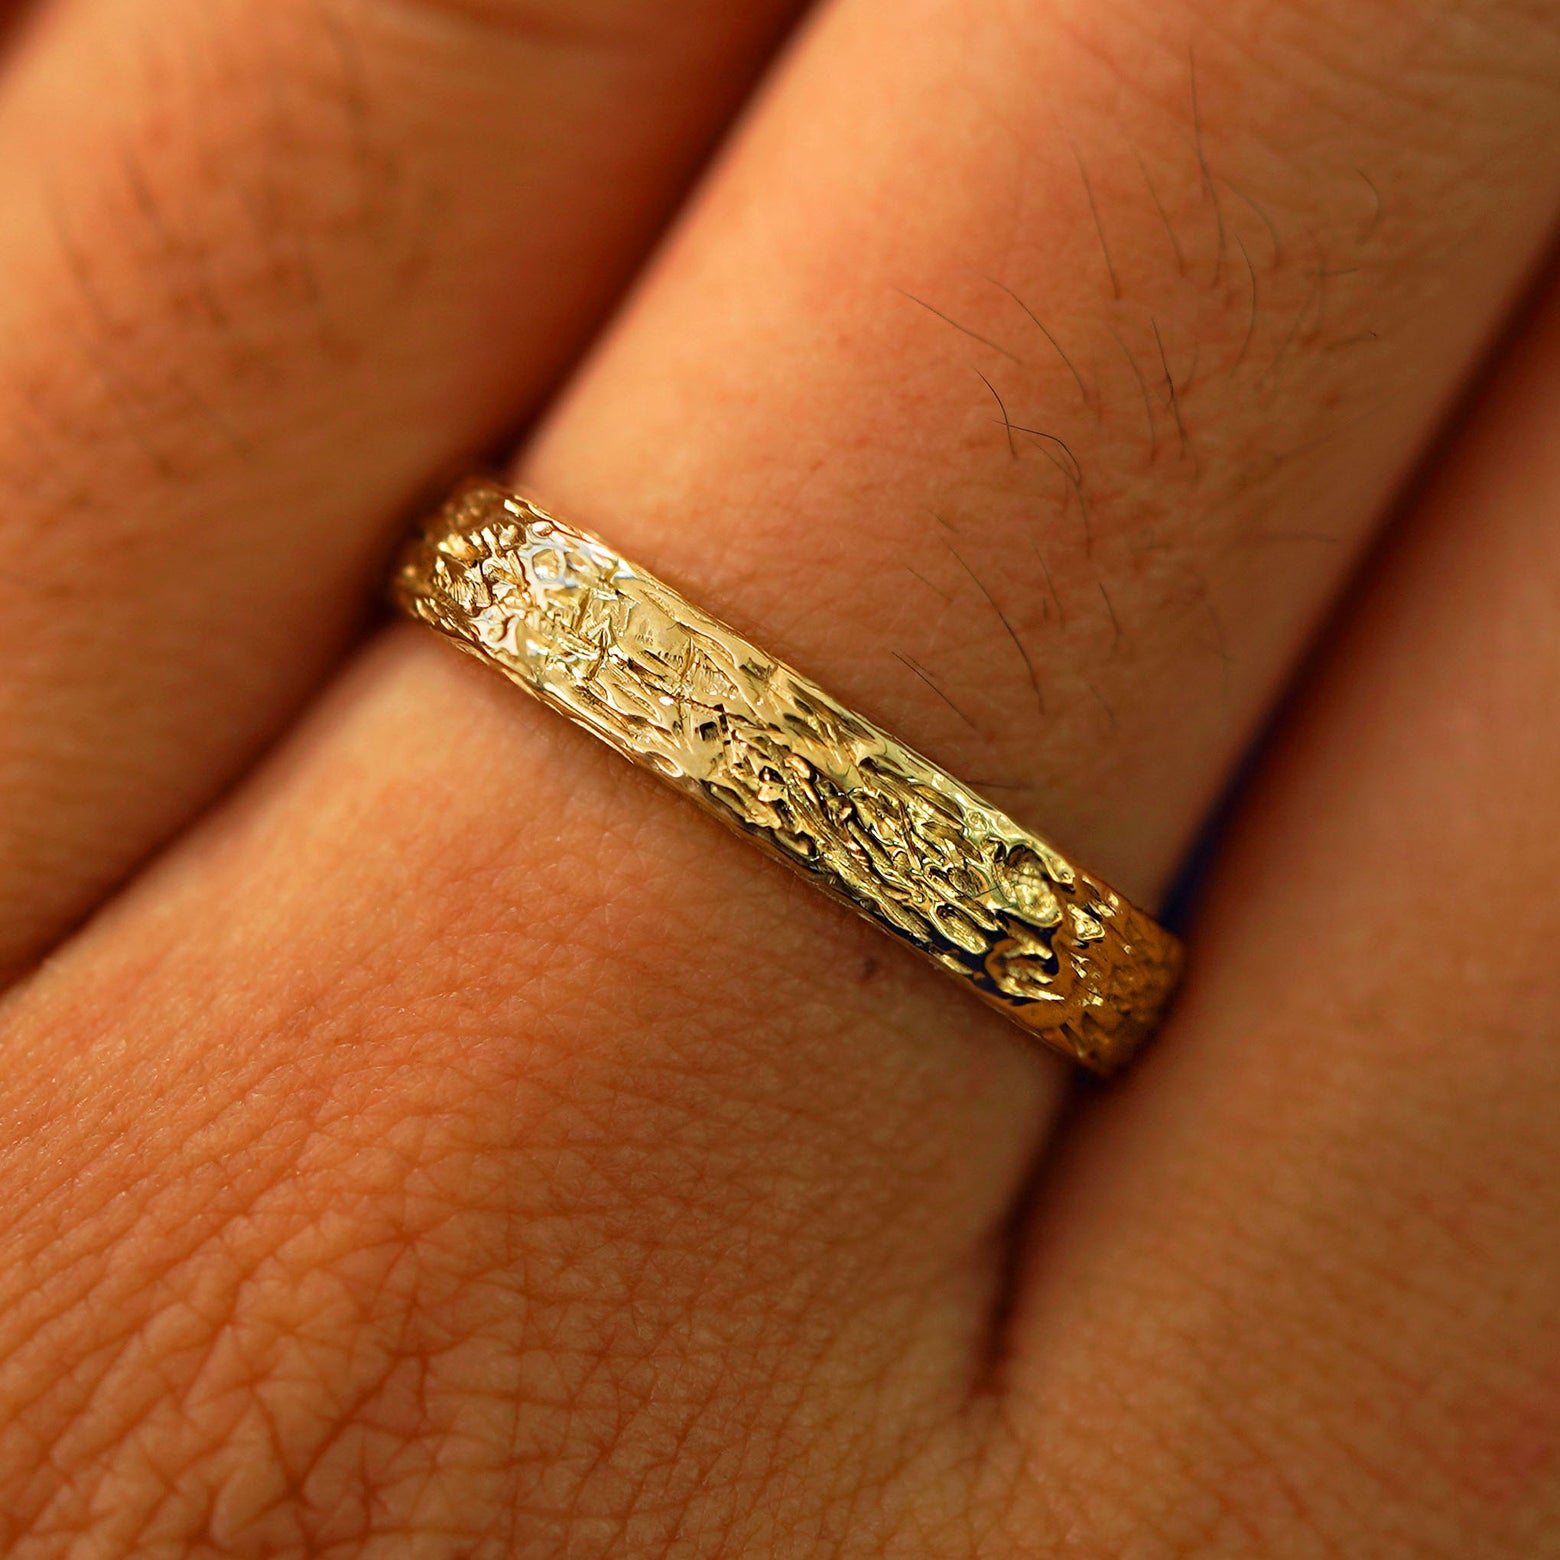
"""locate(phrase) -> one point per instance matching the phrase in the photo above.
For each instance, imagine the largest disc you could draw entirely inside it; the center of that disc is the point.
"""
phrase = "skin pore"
(454, 1145)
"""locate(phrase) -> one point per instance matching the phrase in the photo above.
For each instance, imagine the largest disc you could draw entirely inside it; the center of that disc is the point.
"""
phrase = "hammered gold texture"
(771, 755)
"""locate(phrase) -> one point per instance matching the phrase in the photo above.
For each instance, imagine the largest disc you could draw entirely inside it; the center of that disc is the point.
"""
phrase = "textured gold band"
(773, 756)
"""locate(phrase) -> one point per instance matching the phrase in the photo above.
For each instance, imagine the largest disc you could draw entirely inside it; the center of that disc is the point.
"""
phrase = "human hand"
(448, 1142)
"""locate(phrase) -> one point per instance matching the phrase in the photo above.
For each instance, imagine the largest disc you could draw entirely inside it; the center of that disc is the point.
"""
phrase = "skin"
(286, 265)
(447, 1142)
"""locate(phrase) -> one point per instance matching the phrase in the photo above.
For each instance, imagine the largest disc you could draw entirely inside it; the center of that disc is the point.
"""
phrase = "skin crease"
(458, 1146)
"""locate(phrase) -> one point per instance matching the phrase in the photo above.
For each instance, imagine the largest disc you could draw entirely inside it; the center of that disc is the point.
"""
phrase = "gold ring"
(771, 755)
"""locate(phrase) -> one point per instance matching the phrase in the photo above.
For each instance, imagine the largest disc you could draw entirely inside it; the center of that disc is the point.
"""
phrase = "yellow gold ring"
(770, 754)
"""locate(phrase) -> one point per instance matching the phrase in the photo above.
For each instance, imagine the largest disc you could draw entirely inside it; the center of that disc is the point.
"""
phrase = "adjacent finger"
(266, 269)
(1312, 1246)
(574, 1165)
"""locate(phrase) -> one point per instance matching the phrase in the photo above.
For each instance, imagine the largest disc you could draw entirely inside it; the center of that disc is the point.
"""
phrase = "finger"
(704, 1187)
(1090, 388)
(266, 269)
(1312, 1247)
